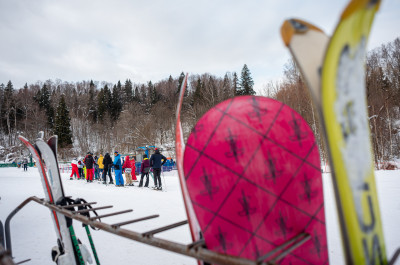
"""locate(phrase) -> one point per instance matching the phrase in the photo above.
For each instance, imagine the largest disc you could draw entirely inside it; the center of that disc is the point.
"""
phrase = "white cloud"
(149, 40)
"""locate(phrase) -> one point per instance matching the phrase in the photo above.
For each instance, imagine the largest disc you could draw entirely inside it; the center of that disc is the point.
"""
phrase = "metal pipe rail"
(196, 250)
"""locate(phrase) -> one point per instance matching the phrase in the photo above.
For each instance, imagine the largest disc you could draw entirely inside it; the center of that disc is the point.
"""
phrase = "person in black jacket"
(89, 163)
(107, 161)
(156, 161)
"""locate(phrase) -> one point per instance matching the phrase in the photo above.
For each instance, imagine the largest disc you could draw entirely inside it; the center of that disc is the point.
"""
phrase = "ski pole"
(92, 244)
(165, 184)
(76, 245)
(80, 201)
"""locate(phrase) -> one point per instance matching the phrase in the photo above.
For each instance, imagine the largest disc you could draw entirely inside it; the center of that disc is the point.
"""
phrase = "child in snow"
(80, 170)
(128, 170)
(144, 169)
(75, 171)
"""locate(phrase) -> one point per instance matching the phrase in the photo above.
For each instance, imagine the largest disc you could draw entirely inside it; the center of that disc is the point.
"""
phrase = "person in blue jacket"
(119, 180)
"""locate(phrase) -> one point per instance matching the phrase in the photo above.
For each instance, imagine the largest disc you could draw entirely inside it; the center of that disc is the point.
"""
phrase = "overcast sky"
(143, 40)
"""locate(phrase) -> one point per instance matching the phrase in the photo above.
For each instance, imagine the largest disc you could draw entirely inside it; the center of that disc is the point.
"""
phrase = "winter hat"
(144, 156)
(116, 152)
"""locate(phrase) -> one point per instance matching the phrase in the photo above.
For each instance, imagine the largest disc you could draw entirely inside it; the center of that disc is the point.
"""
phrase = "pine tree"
(8, 110)
(108, 98)
(92, 105)
(154, 95)
(180, 81)
(136, 97)
(128, 91)
(246, 82)
(170, 80)
(235, 81)
(198, 93)
(226, 87)
(2, 87)
(116, 101)
(62, 124)
(44, 101)
(101, 105)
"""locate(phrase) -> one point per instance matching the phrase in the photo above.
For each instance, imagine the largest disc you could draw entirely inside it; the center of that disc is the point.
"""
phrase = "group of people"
(93, 167)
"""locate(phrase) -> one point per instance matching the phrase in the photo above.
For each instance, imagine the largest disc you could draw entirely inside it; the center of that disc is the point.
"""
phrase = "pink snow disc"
(252, 168)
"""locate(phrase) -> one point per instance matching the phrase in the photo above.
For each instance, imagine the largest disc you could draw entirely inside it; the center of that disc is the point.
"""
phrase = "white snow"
(33, 234)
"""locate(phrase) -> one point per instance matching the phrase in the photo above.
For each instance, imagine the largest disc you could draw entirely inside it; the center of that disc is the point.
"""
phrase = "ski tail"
(52, 143)
(69, 249)
(307, 43)
(346, 121)
(180, 148)
(45, 182)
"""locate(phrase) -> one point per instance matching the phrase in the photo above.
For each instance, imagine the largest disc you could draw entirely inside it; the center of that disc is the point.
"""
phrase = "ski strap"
(84, 207)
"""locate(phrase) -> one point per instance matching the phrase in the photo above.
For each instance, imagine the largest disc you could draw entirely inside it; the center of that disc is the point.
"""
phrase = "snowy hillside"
(33, 235)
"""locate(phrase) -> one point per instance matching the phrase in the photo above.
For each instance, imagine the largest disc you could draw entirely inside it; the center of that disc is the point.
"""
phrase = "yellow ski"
(345, 116)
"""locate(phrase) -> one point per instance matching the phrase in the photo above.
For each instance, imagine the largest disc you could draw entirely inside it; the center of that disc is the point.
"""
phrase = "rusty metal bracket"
(284, 248)
(135, 220)
(92, 209)
(164, 228)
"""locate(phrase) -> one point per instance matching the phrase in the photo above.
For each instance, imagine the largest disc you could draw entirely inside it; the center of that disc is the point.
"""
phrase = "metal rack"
(196, 250)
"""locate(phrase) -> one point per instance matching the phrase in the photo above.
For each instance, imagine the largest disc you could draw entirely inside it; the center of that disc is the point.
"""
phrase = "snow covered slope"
(33, 236)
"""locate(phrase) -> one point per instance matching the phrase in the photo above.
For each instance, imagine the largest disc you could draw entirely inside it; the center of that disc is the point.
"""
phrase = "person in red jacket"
(128, 170)
(74, 164)
(145, 169)
(133, 166)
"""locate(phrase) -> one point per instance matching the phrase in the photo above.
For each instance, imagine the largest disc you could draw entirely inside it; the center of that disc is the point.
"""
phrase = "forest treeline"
(100, 116)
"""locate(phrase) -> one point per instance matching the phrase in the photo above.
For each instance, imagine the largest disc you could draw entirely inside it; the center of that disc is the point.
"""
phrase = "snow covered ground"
(33, 234)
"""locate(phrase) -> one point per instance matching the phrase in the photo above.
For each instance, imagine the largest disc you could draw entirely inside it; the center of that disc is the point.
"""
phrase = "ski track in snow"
(33, 234)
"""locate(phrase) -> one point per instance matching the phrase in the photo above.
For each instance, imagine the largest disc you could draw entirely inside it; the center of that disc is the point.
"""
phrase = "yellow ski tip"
(357, 5)
(294, 26)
